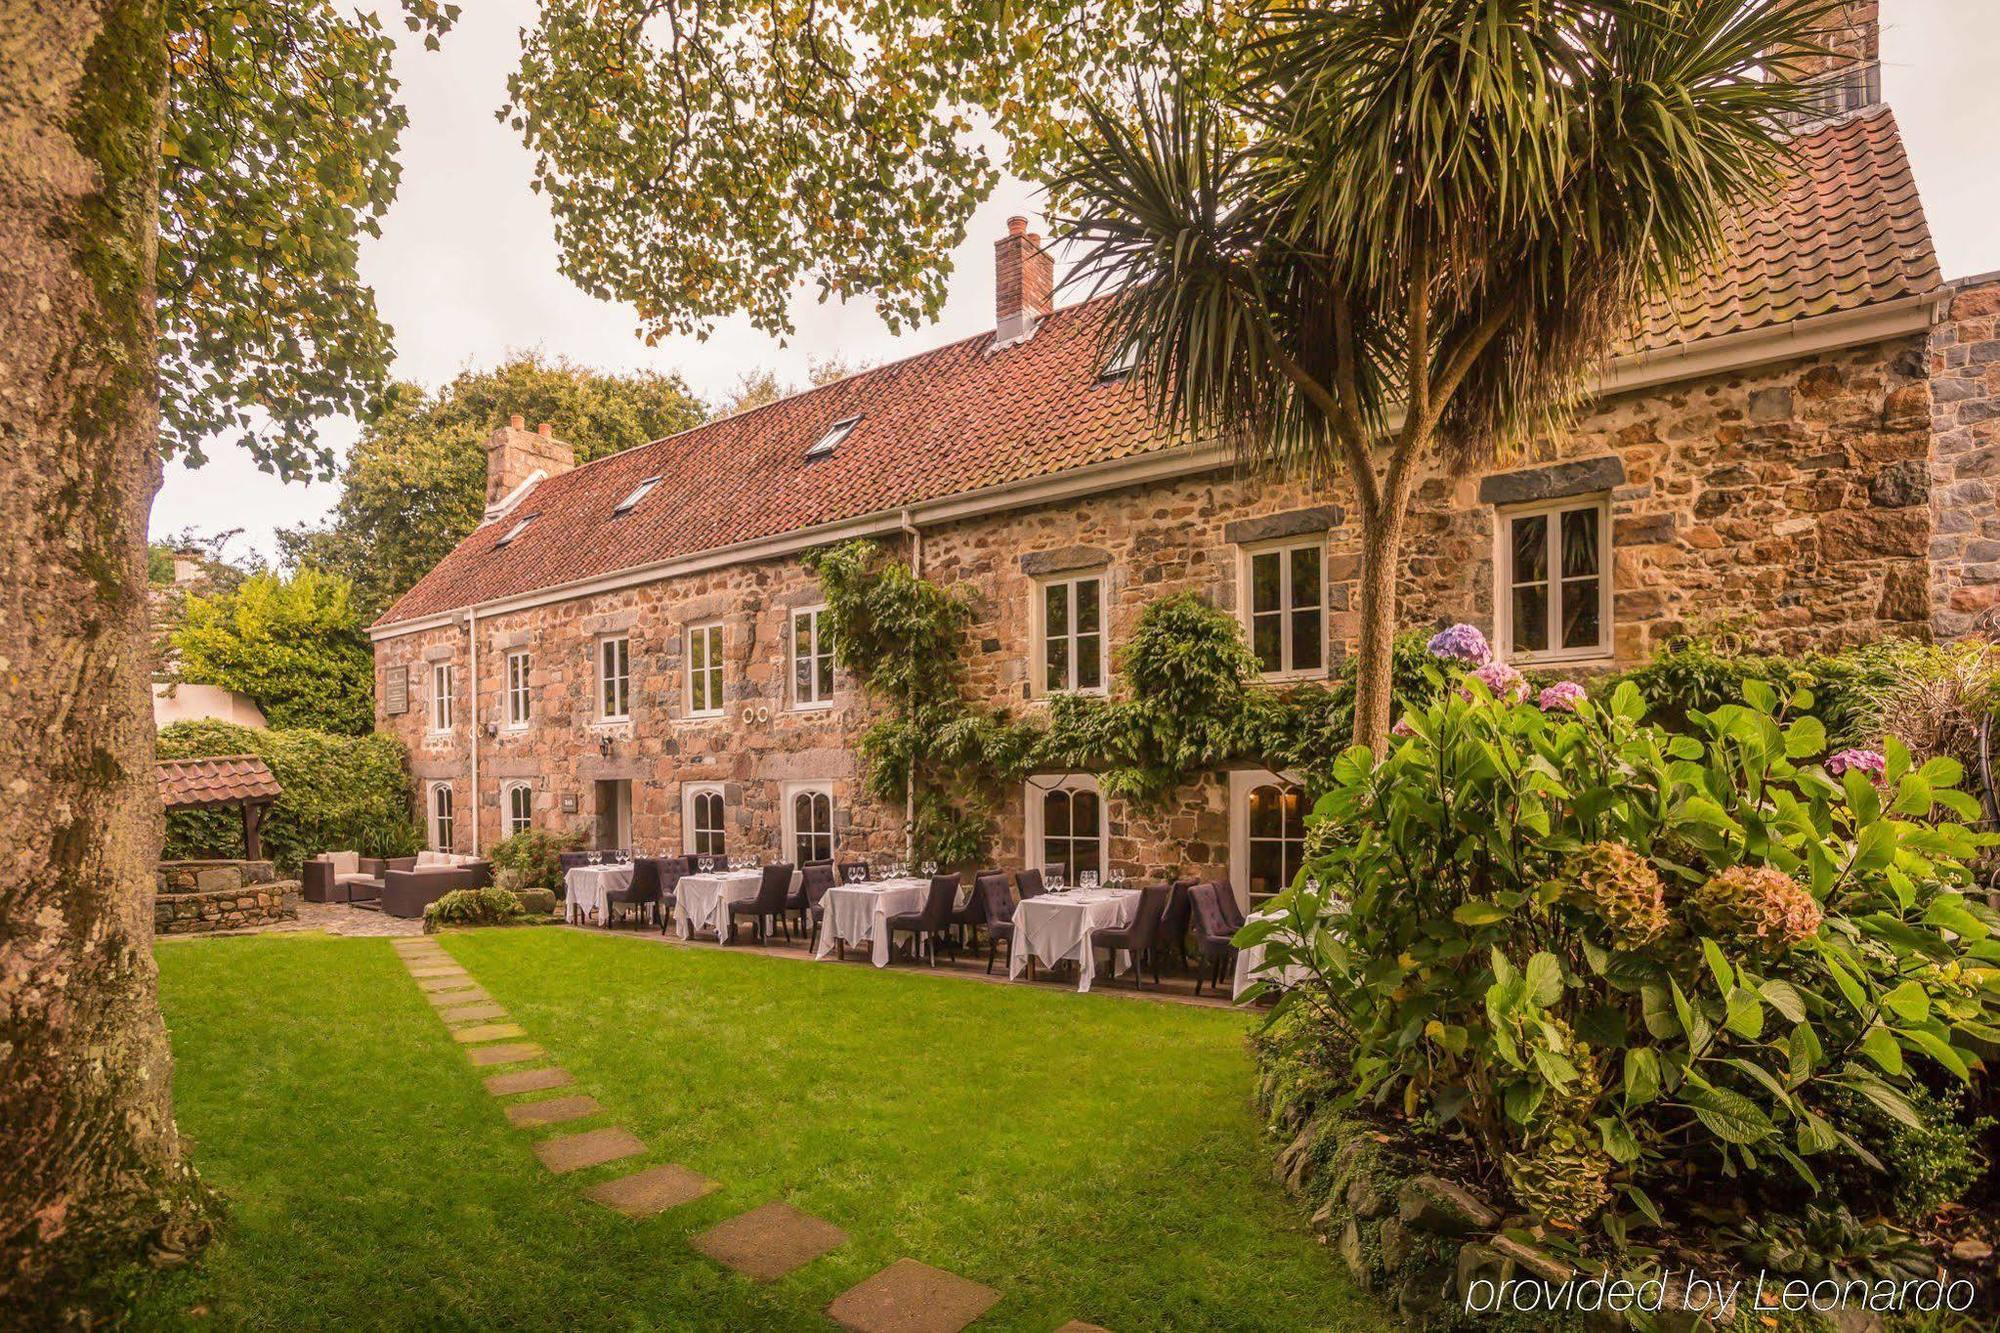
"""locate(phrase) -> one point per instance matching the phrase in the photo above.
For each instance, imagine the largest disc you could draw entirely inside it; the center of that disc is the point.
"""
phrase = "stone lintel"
(1063, 559)
(1294, 523)
(1555, 482)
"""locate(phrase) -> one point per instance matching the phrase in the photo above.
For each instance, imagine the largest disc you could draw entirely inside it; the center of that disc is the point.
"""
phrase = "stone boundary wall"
(1965, 459)
(200, 897)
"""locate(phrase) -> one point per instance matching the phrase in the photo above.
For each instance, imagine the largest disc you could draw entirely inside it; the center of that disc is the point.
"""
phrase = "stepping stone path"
(909, 1297)
(763, 1244)
(595, 1147)
(552, 1111)
(653, 1190)
(767, 1243)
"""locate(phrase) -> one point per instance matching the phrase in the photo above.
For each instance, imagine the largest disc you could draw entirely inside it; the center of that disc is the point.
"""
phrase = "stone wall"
(1965, 460)
(1793, 500)
(199, 897)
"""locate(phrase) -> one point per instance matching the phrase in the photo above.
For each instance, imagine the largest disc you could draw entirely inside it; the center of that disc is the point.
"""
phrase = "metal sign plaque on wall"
(396, 691)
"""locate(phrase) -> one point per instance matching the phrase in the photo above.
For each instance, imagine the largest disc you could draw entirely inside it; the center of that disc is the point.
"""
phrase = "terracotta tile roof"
(220, 780)
(964, 417)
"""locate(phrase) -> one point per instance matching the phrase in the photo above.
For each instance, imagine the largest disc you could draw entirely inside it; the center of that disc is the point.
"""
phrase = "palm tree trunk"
(92, 1175)
(1374, 691)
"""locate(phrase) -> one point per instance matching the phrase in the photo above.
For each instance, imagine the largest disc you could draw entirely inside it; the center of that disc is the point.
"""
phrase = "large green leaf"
(1730, 1116)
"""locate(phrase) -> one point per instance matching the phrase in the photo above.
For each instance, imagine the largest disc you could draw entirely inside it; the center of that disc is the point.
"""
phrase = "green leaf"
(1745, 1016)
(1559, 1072)
(1718, 966)
(1908, 1002)
(1806, 1053)
(1785, 998)
(1804, 738)
(1479, 912)
(1544, 978)
(1892, 1103)
(1939, 1050)
(1881, 1047)
(1642, 1076)
(1730, 1116)
(1619, 1143)
(1627, 703)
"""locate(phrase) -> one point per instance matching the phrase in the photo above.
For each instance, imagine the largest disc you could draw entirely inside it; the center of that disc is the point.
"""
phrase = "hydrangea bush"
(1622, 964)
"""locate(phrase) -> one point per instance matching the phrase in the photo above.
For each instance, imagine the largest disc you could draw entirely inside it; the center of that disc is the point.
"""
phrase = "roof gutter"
(1734, 351)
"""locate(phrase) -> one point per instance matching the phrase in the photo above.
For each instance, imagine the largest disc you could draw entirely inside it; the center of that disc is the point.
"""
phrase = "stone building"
(1804, 443)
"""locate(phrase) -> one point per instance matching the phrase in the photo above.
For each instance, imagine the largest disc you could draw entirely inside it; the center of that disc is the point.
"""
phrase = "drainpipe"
(916, 537)
(472, 635)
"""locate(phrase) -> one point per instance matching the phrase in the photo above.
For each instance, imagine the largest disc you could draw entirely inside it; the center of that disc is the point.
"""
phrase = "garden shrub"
(341, 793)
(1625, 965)
(530, 859)
(473, 907)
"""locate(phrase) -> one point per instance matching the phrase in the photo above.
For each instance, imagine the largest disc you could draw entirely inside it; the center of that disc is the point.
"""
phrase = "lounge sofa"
(347, 877)
(407, 892)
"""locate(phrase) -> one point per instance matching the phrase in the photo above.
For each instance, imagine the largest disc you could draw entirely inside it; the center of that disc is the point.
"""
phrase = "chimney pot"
(1017, 225)
(544, 430)
(1023, 283)
(516, 421)
(513, 455)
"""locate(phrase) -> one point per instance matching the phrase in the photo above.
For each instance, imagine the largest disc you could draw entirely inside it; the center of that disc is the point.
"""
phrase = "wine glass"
(1087, 880)
(929, 868)
(1056, 880)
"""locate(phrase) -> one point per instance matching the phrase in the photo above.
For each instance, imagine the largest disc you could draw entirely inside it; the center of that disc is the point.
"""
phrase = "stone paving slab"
(467, 1013)
(552, 1111)
(653, 1190)
(594, 1147)
(506, 1054)
(427, 970)
(909, 1297)
(768, 1242)
(407, 949)
(488, 1032)
(446, 981)
(528, 1080)
(444, 999)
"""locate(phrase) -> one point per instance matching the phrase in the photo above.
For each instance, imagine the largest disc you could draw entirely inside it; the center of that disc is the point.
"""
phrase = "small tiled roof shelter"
(221, 780)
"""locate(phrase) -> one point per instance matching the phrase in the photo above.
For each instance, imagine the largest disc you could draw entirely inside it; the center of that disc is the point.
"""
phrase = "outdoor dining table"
(585, 888)
(859, 913)
(1250, 965)
(1056, 927)
(703, 900)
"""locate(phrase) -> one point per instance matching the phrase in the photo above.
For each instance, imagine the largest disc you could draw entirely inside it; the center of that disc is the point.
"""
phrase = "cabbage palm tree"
(1404, 233)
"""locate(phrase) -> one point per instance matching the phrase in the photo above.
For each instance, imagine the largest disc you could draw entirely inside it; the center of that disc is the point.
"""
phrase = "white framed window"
(517, 805)
(812, 658)
(1267, 831)
(520, 701)
(441, 695)
(632, 499)
(1552, 563)
(704, 657)
(702, 812)
(835, 435)
(1284, 606)
(1071, 649)
(614, 679)
(442, 804)
(1068, 824)
(809, 821)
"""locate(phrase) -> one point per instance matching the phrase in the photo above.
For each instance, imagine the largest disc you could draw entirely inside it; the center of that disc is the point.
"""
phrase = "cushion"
(429, 860)
(344, 863)
(356, 878)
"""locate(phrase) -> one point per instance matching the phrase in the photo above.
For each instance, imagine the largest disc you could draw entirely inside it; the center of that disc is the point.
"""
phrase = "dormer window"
(516, 530)
(639, 492)
(1121, 364)
(830, 441)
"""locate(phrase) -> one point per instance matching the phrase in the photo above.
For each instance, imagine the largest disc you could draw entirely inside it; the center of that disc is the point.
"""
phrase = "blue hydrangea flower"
(1461, 643)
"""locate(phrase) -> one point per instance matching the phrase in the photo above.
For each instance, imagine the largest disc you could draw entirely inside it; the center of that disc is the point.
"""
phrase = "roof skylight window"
(516, 530)
(639, 492)
(830, 441)
(1122, 363)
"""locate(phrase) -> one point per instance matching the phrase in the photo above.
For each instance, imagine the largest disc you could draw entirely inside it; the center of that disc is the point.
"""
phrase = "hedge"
(342, 793)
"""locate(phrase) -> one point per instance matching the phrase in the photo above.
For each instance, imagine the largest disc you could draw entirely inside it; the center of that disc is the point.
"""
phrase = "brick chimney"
(1848, 75)
(1024, 280)
(514, 454)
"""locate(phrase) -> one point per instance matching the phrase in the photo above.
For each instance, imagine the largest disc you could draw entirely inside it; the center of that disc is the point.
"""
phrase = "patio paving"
(466, 1013)
(654, 1190)
(487, 1032)
(909, 1297)
(445, 999)
(456, 980)
(507, 1054)
(768, 1242)
(425, 970)
(528, 1080)
(573, 1152)
(552, 1111)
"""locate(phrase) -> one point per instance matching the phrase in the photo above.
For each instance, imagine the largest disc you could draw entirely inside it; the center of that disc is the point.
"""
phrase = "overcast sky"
(466, 273)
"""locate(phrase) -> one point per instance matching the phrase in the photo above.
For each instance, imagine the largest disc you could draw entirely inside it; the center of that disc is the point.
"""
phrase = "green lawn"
(1090, 1157)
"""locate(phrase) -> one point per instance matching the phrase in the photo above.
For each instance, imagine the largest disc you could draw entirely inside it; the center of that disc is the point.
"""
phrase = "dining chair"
(1139, 936)
(769, 904)
(643, 892)
(999, 905)
(927, 925)
(1212, 934)
(1172, 935)
(968, 919)
(671, 870)
(1031, 884)
(817, 879)
(1232, 911)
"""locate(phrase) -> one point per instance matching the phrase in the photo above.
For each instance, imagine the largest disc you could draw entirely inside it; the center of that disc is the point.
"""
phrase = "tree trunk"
(1374, 688)
(92, 1174)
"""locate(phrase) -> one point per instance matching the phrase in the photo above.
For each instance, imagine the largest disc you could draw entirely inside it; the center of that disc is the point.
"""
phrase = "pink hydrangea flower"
(1870, 762)
(1403, 727)
(1561, 697)
(1502, 682)
(1461, 643)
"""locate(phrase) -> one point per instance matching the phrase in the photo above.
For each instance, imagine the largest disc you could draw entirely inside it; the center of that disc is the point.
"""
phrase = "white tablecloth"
(1056, 927)
(1250, 964)
(585, 887)
(858, 913)
(701, 902)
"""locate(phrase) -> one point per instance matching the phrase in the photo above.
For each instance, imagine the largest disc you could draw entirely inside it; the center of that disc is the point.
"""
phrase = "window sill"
(1541, 661)
(823, 706)
(1046, 696)
(1293, 677)
(708, 715)
(611, 724)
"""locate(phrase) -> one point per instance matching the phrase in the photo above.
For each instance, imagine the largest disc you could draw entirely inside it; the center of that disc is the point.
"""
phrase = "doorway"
(614, 813)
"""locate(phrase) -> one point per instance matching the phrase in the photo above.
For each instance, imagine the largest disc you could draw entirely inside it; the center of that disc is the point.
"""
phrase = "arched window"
(1072, 830)
(520, 808)
(1277, 823)
(704, 815)
(812, 826)
(441, 817)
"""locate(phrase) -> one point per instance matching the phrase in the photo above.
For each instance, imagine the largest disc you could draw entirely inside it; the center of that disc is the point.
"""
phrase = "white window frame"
(821, 651)
(714, 654)
(1503, 579)
(690, 792)
(520, 690)
(1038, 638)
(791, 791)
(618, 708)
(1242, 782)
(510, 822)
(442, 824)
(1036, 789)
(443, 688)
(1283, 548)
